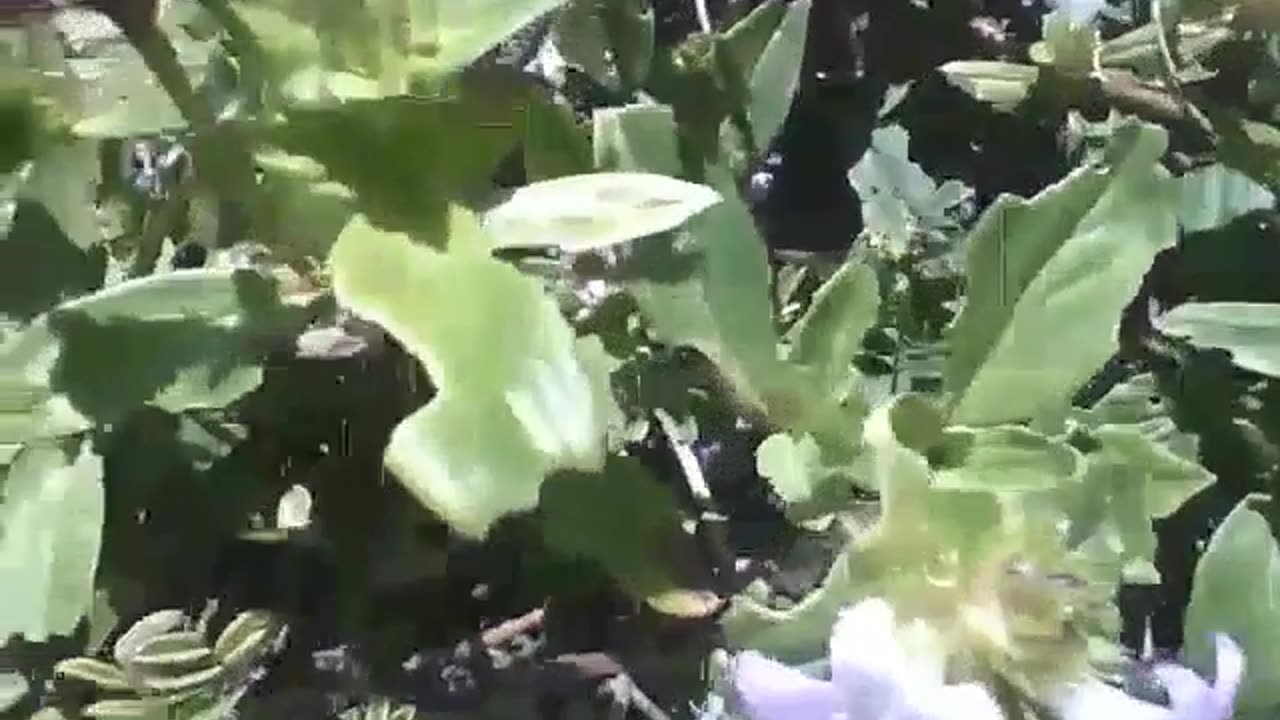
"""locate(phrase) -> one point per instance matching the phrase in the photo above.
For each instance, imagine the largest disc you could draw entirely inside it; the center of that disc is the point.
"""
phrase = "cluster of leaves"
(204, 193)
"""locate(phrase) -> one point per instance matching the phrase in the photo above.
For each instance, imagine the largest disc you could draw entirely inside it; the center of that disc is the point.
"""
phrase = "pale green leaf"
(1003, 459)
(1003, 84)
(448, 35)
(1049, 277)
(636, 138)
(1249, 331)
(50, 533)
(595, 210)
(776, 75)
(1212, 196)
(1236, 590)
(13, 687)
(829, 334)
(513, 402)
(791, 466)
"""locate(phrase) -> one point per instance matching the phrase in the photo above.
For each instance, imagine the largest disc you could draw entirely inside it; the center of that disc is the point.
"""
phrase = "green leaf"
(453, 34)
(776, 75)
(179, 340)
(513, 401)
(1213, 196)
(1068, 46)
(1055, 272)
(829, 334)
(50, 533)
(581, 39)
(898, 196)
(596, 210)
(244, 637)
(406, 157)
(554, 145)
(105, 675)
(791, 466)
(625, 520)
(1236, 590)
(630, 26)
(636, 138)
(1002, 84)
(1003, 459)
(1249, 331)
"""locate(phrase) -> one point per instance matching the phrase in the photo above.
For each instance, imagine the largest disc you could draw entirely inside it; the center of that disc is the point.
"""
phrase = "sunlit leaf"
(830, 333)
(585, 212)
(1213, 196)
(513, 401)
(1002, 84)
(105, 675)
(1055, 272)
(450, 35)
(50, 533)
(791, 466)
(1236, 590)
(1003, 459)
(1249, 331)
(13, 687)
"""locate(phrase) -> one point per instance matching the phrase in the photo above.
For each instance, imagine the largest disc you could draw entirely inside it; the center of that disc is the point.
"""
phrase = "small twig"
(509, 630)
(688, 461)
(704, 17)
(627, 694)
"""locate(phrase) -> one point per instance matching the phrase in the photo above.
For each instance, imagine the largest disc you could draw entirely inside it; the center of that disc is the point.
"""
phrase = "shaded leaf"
(105, 675)
(829, 334)
(50, 534)
(625, 520)
(775, 76)
(451, 35)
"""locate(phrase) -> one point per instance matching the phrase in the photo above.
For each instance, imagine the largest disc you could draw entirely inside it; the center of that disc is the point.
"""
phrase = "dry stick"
(626, 694)
(508, 630)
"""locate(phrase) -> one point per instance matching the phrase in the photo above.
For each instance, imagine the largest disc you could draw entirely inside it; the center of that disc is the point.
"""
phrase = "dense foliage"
(553, 358)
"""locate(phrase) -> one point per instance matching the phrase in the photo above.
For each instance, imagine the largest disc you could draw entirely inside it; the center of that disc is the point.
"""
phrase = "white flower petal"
(868, 666)
(770, 690)
(1095, 700)
(966, 701)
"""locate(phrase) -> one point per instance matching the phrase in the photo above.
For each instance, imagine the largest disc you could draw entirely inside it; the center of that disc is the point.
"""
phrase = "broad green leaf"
(450, 35)
(299, 211)
(1236, 590)
(1170, 479)
(791, 466)
(64, 179)
(40, 265)
(1003, 459)
(1139, 49)
(1249, 331)
(554, 145)
(1068, 46)
(148, 626)
(50, 533)
(179, 340)
(406, 157)
(1055, 272)
(636, 138)
(829, 334)
(776, 75)
(628, 522)
(599, 366)
(581, 40)
(630, 26)
(513, 401)
(595, 210)
(1002, 84)
(1213, 196)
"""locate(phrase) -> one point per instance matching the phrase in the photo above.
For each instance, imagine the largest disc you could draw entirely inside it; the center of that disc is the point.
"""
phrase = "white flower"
(1191, 698)
(878, 672)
